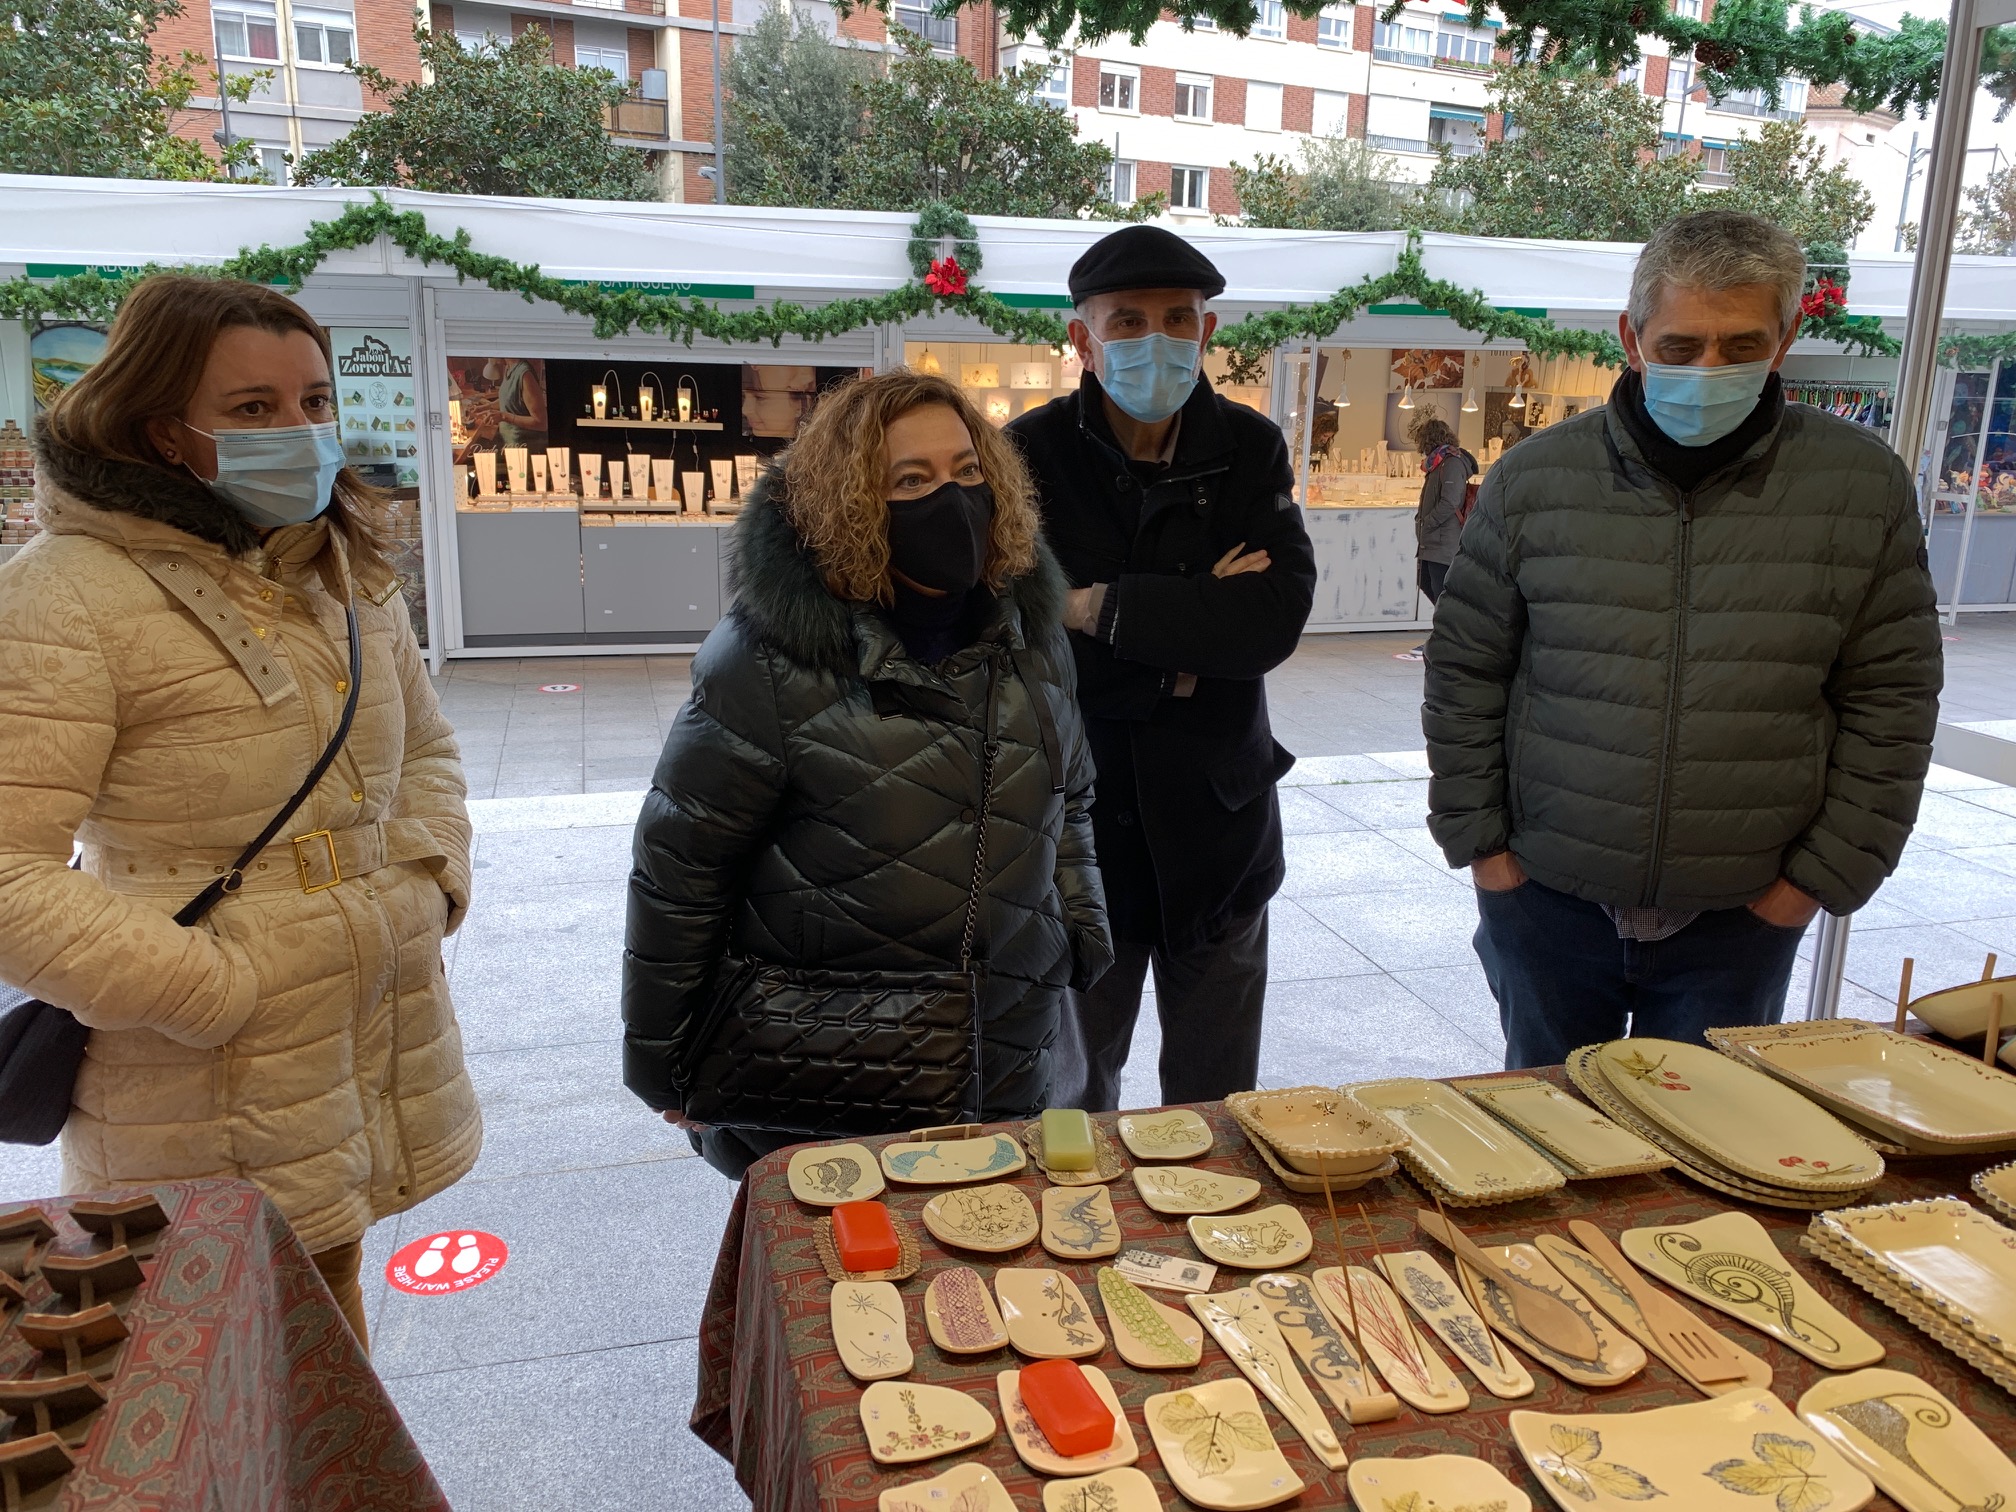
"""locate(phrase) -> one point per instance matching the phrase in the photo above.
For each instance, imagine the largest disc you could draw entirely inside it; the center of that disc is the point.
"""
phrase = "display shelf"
(669, 425)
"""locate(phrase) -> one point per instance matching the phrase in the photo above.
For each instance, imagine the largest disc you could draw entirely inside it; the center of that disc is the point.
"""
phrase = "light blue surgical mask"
(1149, 377)
(280, 476)
(1699, 405)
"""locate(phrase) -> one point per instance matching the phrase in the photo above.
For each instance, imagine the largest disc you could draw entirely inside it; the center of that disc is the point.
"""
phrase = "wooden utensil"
(1903, 993)
(1547, 1318)
(1699, 1351)
(1994, 1035)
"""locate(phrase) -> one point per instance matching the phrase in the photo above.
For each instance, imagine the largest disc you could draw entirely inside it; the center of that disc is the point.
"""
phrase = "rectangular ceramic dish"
(1456, 1147)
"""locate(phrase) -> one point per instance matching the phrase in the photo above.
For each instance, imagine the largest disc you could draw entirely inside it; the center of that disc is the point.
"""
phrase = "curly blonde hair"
(836, 483)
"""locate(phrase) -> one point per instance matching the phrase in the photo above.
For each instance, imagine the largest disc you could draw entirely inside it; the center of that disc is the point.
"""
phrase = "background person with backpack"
(1446, 492)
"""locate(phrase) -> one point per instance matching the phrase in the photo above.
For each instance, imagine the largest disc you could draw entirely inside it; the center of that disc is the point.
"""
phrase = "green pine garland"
(1970, 353)
(934, 223)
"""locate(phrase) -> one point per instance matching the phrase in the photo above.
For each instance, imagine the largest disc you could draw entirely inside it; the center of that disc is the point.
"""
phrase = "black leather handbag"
(798, 1050)
(41, 1045)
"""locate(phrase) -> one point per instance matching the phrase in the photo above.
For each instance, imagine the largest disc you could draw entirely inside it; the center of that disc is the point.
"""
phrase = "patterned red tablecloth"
(241, 1387)
(775, 1401)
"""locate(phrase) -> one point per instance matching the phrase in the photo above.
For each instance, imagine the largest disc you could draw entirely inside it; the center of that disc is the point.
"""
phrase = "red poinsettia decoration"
(1826, 295)
(946, 276)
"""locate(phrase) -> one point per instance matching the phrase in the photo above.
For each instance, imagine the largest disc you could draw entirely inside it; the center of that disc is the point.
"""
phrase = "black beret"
(1143, 257)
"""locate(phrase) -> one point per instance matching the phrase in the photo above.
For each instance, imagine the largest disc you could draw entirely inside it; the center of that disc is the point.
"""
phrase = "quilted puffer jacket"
(165, 684)
(815, 806)
(1669, 700)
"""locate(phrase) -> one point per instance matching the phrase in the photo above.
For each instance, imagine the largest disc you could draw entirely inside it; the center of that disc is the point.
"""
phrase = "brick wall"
(696, 113)
(1220, 194)
(1150, 178)
(385, 38)
(1302, 29)
(643, 47)
(1361, 30)
(1228, 101)
(441, 17)
(1085, 81)
(1298, 108)
(1158, 91)
(1494, 126)
(865, 23)
(1657, 71)
(1360, 107)
(191, 32)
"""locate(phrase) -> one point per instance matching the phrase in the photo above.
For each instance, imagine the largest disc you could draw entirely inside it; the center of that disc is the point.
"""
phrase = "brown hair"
(153, 361)
(1430, 433)
(836, 483)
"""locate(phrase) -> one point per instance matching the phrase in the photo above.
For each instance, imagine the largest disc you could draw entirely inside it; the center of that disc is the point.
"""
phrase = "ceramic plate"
(1962, 1012)
(1217, 1449)
(1035, 1449)
(1079, 1223)
(1148, 1335)
(1314, 1186)
(1106, 1162)
(1110, 1491)
(952, 1162)
(1736, 1453)
(824, 1175)
(1317, 1130)
(1566, 1127)
(992, 1219)
(1457, 1145)
(1741, 1117)
(1332, 1359)
(1946, 1254)
(1992, 1363)
(1240, 1322)
(908, 1421)
(1170, 1134)
(1046, 1315)
(961, 1315)
(963, 1488)
(1262, 1240)
(1997, 1188)
(1374, 1314)
(1418, 1279)
(1730, 1262)
(1433, 1483)
(1922, 1090)
(1917, 1446)
(1185, 1189)
(869, 1329)
(1618, 1357)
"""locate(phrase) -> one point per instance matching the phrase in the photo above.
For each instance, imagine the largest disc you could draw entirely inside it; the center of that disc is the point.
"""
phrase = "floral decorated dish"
(907, 1421)
(1268, 1239)
(1183, 1190)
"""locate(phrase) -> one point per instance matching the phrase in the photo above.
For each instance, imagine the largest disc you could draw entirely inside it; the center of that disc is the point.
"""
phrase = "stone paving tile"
(1360, 863)
(518, 859)
(1402, 930)
(1947, 889)
(1360, 1029)
(1399, 804)
(1302, 813)
(564, 1108)
(1300, 947)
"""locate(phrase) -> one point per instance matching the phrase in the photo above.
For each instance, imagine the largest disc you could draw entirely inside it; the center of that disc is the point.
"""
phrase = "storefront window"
(1973, 527)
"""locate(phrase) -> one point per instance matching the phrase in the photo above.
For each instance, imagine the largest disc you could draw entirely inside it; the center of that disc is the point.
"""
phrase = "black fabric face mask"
(940, 540)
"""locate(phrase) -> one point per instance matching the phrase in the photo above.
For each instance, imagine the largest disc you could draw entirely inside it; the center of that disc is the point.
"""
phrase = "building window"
(611, 60)
(1333, 26)
(324, 38)
(1463, 47)
(1188, 188)
(1118, 90)
(1270, 21)
(1054, 88)
(1203, 23)
(940, 31)
(1193, 97)
(1462, 138)
(1632, 73)
(270, 167)
(248, 34)
(1263, 106)
(479, 42)
(1672, 146)
(1679, 78)
(1393, 43)
(1330, 114)
(1120, 183)
(1715, 162)
(1690, 9)
(1754, 102)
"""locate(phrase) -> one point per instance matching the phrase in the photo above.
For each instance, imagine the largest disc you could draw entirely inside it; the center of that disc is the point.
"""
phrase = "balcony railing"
(635, 116)
(628, 7)
(1398, 144)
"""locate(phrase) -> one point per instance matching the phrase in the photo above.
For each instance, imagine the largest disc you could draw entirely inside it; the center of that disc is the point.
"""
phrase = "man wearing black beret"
(1172, 511)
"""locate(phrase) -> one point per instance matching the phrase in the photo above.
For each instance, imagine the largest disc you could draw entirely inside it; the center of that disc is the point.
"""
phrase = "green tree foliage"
(794, 108)
(82, 92)
(1988, 218)
(1341, 184)
(503, 119)
(1579, 163)
(1784, 177)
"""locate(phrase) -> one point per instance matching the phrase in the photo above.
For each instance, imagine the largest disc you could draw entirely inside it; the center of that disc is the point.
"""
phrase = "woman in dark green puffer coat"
(816, 803)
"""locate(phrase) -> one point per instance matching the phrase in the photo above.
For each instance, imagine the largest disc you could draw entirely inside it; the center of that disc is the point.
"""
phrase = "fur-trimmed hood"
(176, 500)
(782, 597)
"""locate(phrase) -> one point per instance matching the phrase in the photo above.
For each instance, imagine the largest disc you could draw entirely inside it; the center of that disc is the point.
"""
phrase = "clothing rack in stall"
(1864, 403)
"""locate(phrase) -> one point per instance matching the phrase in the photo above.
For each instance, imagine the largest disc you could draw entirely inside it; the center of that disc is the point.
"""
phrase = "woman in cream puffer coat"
(167, 679)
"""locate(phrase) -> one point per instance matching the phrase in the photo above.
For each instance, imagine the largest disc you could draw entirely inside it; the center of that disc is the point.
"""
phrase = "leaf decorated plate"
(907, 1420)
(1433, 1483)
(1217, 1449)
(1618, 1355)
(1027, 1436)
(960, 1313)
(953, 1162)
(1079, 1223)
(1265, 1240)
(1924, 1452)
(1186, 1189)
(1123, 1490)
(1167, 1134)
(1744, 1452)
(1046, 1315)
(991, 1219)
(870, 1330)
(827, 1175)
(963, 1488)
(1149, 1335)
(1418, 1278)
(1240, 1322)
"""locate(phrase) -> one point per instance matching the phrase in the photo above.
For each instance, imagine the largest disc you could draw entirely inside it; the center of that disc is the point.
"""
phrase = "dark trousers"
(1431, 576)
(1563, 979)
(1210, 1000)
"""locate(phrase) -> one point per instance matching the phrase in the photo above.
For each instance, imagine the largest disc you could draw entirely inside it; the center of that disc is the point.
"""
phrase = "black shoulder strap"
(207, 899)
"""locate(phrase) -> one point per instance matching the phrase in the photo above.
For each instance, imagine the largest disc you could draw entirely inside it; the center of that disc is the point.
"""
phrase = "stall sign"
(377, 403)
(442, 1264)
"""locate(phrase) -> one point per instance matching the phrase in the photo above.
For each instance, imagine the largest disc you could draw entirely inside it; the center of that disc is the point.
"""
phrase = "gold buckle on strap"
(301, 860)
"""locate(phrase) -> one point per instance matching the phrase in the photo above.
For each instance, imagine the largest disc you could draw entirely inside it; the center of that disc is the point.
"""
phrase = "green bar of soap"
(1067, 1139)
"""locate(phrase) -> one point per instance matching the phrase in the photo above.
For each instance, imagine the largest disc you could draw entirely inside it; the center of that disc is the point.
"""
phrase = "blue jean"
(1563, 979)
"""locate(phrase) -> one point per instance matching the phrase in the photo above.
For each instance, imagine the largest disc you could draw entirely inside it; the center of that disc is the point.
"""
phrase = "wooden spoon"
(1545, 1317)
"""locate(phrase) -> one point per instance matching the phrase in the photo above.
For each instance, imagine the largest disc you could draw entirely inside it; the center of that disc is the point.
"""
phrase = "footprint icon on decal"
(467, 1255)
(433, 1259)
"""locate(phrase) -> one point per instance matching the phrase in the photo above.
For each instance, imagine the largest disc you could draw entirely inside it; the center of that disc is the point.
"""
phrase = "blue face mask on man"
(1696, 406)
(1149, 377)
(280, 476)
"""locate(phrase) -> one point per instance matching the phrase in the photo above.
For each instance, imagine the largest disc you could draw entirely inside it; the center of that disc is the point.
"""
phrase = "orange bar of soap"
(1066, 1408)
(865, 1237)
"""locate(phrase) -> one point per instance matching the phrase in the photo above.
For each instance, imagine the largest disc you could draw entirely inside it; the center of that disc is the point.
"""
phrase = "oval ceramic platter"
(1433, 1483)
(1331, 1358)
(1756, 1126)
(1418, 1278)
(1264, 1240)
(1240, 1322)
(1168, 1134)
(1217, 1449)
(963, 1488)
(870, 1330)
(1123, 1490)
(907, 1421)
(1962, 1012)
(1079, 1223)
(1177, 1190)
(1737, 1453)
(1918, 1447)
(953, 1162)
(1729, 1262)
(1370, 1313)
(1318, 1131)
(1618, 1357)
(991, 1219)
(960, 1313)
(1046, 1315)
(1027, 1437)
(1149, 1335)
(826, 1175)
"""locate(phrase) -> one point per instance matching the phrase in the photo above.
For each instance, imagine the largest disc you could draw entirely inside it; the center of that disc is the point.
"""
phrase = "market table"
(776, 1402)
(241, 1386)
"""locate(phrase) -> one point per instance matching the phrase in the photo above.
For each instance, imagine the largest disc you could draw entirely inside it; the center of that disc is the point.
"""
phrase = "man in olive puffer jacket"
(1685, 671)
